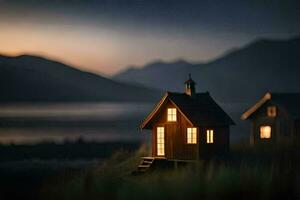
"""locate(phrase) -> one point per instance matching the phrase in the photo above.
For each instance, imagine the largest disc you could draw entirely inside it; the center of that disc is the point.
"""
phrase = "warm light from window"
(172, 115)
(265, 132)
(209, 136)
(192, 135)
(160, 141)
(271, 111)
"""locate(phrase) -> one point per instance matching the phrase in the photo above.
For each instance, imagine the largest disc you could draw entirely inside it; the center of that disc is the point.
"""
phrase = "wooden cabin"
(275, 118)
(187, 126)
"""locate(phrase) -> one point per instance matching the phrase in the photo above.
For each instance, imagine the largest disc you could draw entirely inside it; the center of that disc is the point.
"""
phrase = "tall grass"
(246, 173)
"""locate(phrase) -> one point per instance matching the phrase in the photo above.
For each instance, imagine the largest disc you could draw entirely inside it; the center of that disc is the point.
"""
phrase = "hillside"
(36, 79)
(158, 74)
(241, 75)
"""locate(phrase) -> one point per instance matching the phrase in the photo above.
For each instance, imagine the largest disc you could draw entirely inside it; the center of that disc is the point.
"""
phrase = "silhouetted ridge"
(240, 75)
(28, 78)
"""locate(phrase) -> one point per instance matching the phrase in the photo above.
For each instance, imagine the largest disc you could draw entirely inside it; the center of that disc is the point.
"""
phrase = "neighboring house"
(276, 117)
(187, 126)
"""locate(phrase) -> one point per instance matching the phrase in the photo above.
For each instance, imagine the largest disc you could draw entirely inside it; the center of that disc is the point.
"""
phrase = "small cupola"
(190, 86)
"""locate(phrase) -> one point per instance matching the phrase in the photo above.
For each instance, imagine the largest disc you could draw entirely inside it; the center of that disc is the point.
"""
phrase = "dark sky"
(106, 35)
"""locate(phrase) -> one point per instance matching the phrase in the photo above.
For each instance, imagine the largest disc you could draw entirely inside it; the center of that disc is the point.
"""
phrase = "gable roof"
(199, 109)
(289, 101)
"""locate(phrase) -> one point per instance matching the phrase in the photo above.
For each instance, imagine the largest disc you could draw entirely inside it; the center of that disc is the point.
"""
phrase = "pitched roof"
(289, 101)
(200, 109)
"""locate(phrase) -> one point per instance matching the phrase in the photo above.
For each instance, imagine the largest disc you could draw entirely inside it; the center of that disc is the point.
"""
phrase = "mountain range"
(35, 79)
(240, 75)
(236, 79)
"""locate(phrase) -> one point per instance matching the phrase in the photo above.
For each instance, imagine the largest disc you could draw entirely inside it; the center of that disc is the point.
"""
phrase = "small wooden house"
(186, 126)
(275, 118)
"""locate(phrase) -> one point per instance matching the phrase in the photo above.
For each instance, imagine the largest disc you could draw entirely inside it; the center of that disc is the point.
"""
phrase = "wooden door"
(170, 135)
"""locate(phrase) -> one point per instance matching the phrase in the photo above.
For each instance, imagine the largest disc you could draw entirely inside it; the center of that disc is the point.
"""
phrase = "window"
(160, 141)
(192, 135)
(172, 115)
(209, 136)
(271, 111)
(265, 132)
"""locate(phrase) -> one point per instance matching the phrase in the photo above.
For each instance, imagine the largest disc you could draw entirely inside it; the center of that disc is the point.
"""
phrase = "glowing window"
(160, 141)
(209, 136)
(192, 135)
(172, 115)
(265, 132)
(271, 111)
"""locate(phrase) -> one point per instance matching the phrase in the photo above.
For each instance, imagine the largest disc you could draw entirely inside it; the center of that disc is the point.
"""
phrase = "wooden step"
(144, 165)
(148, 158)
(149, 162)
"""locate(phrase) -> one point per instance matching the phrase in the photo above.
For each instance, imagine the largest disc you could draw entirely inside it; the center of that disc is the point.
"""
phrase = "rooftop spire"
(190, 86)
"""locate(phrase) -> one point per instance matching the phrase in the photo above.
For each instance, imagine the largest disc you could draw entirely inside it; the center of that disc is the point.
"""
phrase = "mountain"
(157, 74)
(241, 75)
(35, 79)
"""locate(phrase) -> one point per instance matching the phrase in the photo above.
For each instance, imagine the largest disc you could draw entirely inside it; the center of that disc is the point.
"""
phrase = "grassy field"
(263, 173)
(26, 168)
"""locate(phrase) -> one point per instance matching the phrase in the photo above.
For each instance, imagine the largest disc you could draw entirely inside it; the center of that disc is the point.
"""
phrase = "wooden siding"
(297, 128)
(282, 125)
(175, 136)
(176, 146)
(220, 143)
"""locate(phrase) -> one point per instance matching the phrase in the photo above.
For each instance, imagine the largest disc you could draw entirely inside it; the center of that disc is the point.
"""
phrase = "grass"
(246, 173)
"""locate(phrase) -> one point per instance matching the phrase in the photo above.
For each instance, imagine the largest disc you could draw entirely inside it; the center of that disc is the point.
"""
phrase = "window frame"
(209, 136)
(193, 133)
(172, 115)
(272, 111)
(160, 141)
(260, 132)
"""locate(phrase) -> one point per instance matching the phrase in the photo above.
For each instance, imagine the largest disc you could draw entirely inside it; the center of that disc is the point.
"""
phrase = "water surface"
(101, 122)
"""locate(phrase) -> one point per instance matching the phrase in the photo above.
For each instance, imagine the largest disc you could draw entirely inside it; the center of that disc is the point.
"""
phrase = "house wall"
(176, 146)
(297, 128)
(282, 125)
(221, 141)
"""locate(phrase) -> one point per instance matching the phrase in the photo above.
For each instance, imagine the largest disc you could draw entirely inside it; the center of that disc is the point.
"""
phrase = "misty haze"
(131, 99)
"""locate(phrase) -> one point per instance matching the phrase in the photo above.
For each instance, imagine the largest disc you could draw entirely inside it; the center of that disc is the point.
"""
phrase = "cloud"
(232, 13)
(125, 32)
